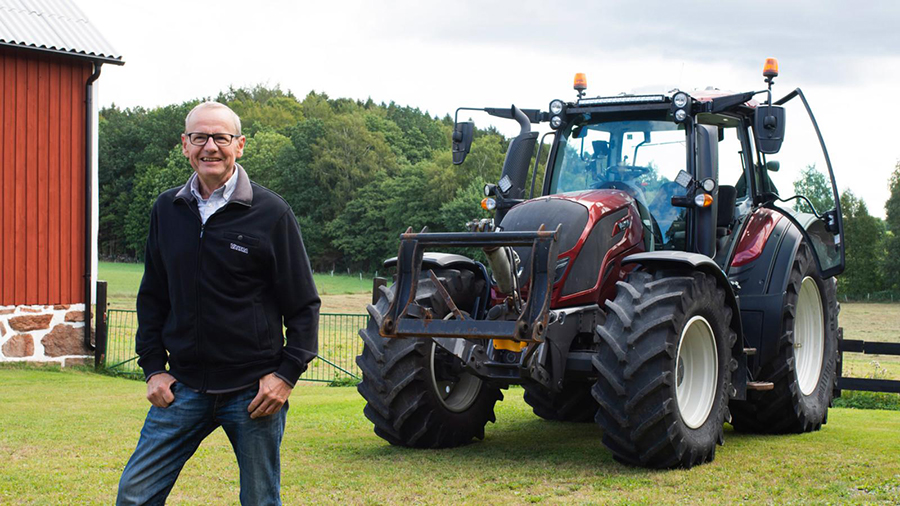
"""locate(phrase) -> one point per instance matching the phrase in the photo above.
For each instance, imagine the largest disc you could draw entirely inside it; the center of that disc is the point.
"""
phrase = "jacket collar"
(243, 192)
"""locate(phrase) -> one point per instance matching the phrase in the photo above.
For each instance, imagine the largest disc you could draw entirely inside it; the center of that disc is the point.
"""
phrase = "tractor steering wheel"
(628, 171)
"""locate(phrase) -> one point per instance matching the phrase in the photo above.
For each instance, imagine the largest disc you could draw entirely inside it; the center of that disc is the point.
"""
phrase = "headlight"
(708, 185)
(488, 204)
(555, 122)
(680, 100)
(680, 115)
(556, 107)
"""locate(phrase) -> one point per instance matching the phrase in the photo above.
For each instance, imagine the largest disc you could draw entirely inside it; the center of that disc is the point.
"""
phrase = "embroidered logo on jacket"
(240, 248)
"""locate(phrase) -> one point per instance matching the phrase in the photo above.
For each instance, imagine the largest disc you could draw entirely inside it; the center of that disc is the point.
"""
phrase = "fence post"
(100, 322)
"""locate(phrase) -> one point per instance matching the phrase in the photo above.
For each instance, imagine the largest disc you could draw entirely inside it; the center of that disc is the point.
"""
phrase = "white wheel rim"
(696, 372)
(809, 336)
(455, 396)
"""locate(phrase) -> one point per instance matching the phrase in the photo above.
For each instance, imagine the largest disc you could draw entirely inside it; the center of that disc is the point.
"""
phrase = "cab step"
(760, 385)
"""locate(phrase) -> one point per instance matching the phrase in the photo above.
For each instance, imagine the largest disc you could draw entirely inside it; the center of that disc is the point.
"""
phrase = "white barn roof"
(57, 26)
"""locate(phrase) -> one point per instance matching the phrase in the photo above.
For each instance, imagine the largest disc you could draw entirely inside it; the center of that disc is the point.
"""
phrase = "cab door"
(798, 181)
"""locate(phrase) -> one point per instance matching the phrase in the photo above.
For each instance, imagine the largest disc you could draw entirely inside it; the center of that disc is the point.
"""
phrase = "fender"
(433, 259)
(763, 282)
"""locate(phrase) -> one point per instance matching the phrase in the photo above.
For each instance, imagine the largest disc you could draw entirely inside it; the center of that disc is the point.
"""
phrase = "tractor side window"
(799, 175)
(731, 161)
(732, 172)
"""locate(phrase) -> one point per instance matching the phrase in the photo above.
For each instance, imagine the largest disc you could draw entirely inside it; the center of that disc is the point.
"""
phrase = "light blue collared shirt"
(217, 199)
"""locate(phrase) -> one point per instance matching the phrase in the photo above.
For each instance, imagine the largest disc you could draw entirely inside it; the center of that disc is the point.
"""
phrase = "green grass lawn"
(124, 279)
(66, 436)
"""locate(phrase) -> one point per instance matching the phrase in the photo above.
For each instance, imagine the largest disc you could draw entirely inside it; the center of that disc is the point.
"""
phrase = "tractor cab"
(698, 164)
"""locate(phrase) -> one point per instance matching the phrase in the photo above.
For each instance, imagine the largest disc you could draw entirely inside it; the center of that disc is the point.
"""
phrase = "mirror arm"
(771, 197)
(456, 114)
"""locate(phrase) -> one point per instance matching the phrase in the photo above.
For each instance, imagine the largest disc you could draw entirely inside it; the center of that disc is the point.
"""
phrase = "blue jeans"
(171, 435)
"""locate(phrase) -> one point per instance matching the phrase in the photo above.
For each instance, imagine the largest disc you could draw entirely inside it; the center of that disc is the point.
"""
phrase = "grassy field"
(871, 322)
(66, 436)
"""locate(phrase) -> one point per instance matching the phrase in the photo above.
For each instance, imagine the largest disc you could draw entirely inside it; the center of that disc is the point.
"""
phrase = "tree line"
(872, 245)
(357, 173)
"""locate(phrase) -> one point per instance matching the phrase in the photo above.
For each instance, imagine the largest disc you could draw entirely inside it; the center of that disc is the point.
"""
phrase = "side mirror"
(463, 133)
(768, 126)
(773, 165)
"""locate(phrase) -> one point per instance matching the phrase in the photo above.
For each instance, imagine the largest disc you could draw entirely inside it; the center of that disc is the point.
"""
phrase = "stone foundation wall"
(44, 334)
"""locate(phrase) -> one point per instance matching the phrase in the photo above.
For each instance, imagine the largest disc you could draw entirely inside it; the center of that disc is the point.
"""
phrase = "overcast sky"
(441, 55)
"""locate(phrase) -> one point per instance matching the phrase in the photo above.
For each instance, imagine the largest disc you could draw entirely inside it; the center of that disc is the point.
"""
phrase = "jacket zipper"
(197, 310)
(203, 385)
(205, 381)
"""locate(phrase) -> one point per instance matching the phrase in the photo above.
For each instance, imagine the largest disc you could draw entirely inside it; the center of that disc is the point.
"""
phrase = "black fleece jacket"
(213, 297)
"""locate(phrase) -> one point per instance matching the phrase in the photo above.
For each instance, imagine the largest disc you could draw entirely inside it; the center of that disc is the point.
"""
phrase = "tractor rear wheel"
(803, 368)
(418, 394)
(574, 403)
(664, 369)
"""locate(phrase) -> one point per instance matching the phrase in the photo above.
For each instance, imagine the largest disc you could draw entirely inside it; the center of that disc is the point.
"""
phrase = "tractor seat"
(727, 197)
(724, 217)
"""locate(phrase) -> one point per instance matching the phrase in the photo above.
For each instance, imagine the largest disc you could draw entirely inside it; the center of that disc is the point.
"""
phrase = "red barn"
(50, 58)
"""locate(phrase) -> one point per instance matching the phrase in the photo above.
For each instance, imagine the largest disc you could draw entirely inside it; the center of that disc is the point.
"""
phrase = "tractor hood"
(592, 223)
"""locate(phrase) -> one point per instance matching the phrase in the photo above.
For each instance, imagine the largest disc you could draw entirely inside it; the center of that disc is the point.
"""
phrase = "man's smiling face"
(213, 163)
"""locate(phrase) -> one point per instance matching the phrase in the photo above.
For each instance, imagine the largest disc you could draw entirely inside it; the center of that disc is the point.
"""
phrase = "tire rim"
(455, 396)
(696, 372)
(809, 336)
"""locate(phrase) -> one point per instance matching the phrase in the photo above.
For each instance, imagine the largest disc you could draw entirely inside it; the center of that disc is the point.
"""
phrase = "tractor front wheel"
(664, 369)
(418, 394)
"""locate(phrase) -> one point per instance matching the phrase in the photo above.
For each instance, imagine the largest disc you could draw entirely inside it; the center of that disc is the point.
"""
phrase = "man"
(225, 267)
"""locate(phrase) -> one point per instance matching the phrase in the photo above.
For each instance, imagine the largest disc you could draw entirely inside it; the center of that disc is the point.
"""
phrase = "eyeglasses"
(200, 139)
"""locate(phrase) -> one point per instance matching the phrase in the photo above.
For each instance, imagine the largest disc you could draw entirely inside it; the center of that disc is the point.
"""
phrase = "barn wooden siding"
(41, 177)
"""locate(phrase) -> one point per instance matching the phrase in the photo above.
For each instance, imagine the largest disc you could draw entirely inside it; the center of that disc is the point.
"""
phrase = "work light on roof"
(680, 115)
(556, 107)
(555, 122)
(680, 100)
(623, 99)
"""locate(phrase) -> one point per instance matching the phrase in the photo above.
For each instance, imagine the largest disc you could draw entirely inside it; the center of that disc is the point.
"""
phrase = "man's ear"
(239, 149)
(184, 146)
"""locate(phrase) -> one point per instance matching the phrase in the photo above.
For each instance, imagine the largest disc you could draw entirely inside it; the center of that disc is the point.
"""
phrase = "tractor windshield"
(641, 157)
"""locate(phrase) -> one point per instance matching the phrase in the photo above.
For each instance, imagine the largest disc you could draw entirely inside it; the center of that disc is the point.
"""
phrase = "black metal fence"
(339, 344)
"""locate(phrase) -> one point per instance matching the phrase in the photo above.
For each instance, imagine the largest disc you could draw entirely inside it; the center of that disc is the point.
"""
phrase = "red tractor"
(672, 274)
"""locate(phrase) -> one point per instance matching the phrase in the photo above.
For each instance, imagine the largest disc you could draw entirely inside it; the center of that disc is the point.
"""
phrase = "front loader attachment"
(406, 319)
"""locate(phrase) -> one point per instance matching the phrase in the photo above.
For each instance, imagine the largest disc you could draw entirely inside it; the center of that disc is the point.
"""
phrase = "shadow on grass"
(531, 444)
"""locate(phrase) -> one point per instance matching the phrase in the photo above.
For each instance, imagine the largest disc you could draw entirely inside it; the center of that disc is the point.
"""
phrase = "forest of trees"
(358, 173)
(871, 244)
(355, 173)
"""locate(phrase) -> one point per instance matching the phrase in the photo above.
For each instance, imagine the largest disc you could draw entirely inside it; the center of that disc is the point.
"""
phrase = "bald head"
(213, 105)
